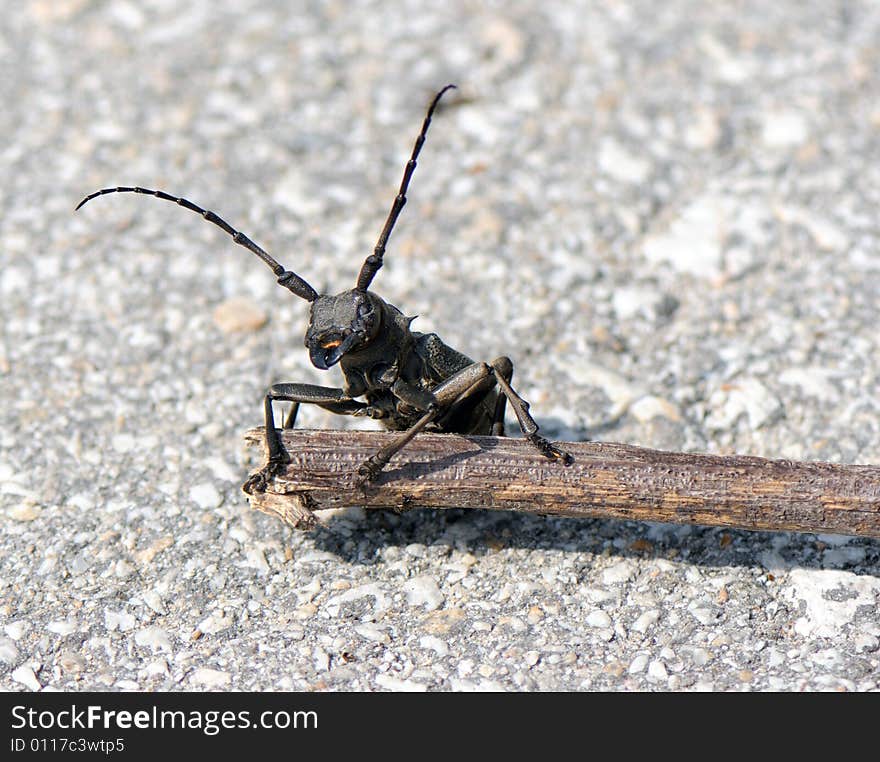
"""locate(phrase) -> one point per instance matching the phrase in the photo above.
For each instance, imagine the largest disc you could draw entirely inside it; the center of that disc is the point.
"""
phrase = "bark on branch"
(605, 480)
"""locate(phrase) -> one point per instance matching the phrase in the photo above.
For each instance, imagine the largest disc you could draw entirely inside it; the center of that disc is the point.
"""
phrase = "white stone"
(210, 678)
(63, 627)
(321, 659)
(118, 620)
(16, 630)
(154, 601)
(215, 623)
(704, 131)
(647, 408)
(700, 656)
(157, 667)
(433, 643)
(598, 619)
(693, 241)
(25, 675)
(256, 559)
(239, 314)
(784, 129)
(825, 234)
(296, 193)
(373, 633)
(644, 622)
(638, 664)
(128, 15)
(615, 160)
(205, 496)
(826, 616)
(154, 638)
(423, 591)
(704, 613)
(123, 443)
(372, 589)
(813, 382)
(745, 396)
(620, 391)
(395, 684)
(8, 651)
(629, 301)
(865, 643)
(620, 572)
(657, 670)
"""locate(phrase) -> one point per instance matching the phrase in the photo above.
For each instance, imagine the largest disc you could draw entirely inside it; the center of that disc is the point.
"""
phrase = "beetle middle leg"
(327, 397)
(503, 367)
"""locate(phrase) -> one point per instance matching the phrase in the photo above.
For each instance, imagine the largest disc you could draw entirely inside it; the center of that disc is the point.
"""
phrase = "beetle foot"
(258, 481)
(369, 470)
(550, 450)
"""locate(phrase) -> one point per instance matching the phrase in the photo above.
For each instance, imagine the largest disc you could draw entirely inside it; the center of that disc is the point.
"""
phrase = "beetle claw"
(259, 481)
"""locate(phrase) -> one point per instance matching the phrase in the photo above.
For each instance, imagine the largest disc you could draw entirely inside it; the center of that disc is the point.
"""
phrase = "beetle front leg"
(326, 397)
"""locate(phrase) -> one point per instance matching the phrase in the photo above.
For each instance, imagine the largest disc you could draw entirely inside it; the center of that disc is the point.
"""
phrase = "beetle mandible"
(409, 381)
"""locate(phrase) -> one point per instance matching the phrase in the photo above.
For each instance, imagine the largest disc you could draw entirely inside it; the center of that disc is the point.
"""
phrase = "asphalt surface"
(665, 214)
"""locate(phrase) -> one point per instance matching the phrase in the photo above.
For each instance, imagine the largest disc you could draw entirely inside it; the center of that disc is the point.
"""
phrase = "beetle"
(409, 381)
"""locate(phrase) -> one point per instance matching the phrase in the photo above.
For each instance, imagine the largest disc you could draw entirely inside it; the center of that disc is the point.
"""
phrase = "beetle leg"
(326, 397)
(433, 403)
(504, 368)
(470, 380)
(529, 426)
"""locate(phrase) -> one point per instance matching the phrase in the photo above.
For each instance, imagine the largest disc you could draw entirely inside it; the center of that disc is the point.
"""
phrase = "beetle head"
(341, 324)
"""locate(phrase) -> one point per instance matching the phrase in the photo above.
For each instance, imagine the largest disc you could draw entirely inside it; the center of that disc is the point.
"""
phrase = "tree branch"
(606, 481)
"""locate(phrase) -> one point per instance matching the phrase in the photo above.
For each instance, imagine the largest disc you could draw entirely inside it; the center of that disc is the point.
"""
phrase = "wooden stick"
(605, 480)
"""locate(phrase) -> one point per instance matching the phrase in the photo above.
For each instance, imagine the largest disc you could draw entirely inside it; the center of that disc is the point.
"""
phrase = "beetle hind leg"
(526, 422)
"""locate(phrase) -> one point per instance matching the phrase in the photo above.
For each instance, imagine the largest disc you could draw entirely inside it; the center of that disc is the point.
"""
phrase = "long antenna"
(288, 279)
(374, 261)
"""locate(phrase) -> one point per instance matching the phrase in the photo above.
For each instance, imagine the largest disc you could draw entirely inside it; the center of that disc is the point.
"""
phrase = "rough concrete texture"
(666, 214)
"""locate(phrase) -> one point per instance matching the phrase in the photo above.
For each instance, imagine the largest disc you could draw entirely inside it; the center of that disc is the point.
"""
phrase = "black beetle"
(409, 381)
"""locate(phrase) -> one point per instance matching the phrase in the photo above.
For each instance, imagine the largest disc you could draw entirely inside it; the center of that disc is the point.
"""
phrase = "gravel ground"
(665, 214)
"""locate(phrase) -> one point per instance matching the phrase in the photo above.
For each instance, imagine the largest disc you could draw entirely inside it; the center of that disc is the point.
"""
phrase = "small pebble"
(620, 572)
(72, 663)
(206, 496)
(535, 615)
(154, 638)
(638, 664)
(8, 651)
(64, 627)
(423, 591)
(373, 633)
(645, 620)
(598, 618)
(435, 644)
(657, 670)
(215, 623)
(118, 620)
(210, 678)
(25, 675)
(16, 630)
(239, 314)
(391, 683)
